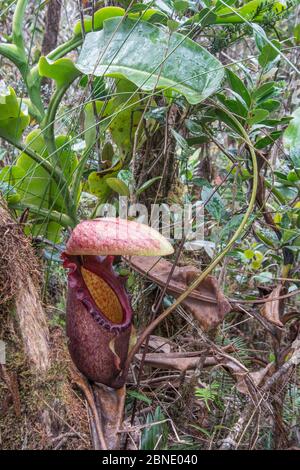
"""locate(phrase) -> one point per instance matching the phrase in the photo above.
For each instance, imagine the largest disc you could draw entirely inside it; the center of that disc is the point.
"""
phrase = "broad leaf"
(257, 115)
(147, 56)
(268, 140)
(97, 181)
(35, 186)
(265, 90)
(125, 112)
(62, 71)
(270, 105)
(224, 117)
(238, 86)
(13, 114)
(121, 115)
(98, 187)
(38, 186)
(9, 178)
(291, 138)
(234, 106)
(118, 186)
(269, 53)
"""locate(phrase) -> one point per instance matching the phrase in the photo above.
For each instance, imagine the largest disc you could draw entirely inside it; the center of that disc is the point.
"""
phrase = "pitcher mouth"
(100, 289)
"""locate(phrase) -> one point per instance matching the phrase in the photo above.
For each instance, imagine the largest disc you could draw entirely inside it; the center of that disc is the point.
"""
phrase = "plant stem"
(17, 25)
(49, 214)
(48, 123)
(12, 53)
(49, 135)
(64, 48)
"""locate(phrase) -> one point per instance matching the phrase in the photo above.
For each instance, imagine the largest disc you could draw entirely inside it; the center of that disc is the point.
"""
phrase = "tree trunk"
(52, 22)
(19, 275)
(156, 159)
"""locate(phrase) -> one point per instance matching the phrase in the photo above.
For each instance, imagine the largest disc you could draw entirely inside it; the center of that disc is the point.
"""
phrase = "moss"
(50, 407)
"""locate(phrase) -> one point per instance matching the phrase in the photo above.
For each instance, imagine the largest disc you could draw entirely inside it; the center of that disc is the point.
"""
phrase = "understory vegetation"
(178, 103)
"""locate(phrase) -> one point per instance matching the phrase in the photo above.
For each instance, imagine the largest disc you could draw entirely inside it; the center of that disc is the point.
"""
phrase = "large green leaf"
(97, 181)
(34, 187)
(120, 116)
(13, 114)
(9, 179)
(124, 113)
(38, 181)
(269, 53)
(291, 138)
(147, 56)
(238, 86)
(118, 186)
(98, 187)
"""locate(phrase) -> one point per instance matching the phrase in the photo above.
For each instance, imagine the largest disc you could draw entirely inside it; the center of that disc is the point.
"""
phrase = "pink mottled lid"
(114, 236)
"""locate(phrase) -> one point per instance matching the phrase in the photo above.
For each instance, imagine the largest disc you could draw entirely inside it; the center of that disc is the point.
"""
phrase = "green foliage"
(291, 139)
(139, 396)
(35, 186)
(209, 395)
(149, 93)
(14, 116)
(178, 63)
(125, 111)
(62, 71)
(155, 435)
(253, 11)
(96, 23)
(224, 12)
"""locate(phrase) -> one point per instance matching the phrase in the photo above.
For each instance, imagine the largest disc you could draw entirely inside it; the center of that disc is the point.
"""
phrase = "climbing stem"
(47, 126)
(64, 48)
(17, 25)
(49, 215)
(48, 123)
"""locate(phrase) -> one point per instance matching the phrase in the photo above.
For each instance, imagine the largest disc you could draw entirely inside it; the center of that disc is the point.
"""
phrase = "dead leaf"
(117, 360)
(132, 338)
(159, 344)
(110, 406)
(257, 378)
(176, 361)
(272, 310)
(207, 302)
